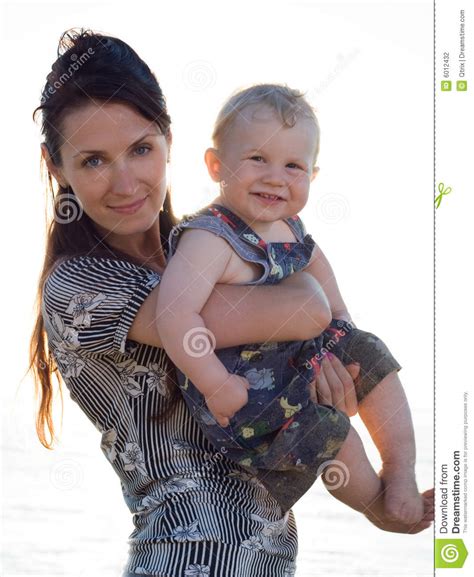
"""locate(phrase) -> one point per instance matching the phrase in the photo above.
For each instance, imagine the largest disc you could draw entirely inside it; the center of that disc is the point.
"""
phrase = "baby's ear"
(213, 163)
(314, 173)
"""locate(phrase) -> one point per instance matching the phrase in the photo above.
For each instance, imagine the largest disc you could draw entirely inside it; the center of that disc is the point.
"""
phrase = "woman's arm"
(295, 309)
(320, 268)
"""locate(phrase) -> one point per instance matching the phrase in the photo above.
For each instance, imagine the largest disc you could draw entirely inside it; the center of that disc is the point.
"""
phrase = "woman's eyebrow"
(131, 145)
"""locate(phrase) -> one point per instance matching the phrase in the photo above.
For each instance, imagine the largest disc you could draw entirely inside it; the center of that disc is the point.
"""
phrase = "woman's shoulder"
(89, 271)
(100, 296)
(77, 263)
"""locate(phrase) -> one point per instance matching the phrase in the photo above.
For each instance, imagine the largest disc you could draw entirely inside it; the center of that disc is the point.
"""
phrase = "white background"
(367, 68)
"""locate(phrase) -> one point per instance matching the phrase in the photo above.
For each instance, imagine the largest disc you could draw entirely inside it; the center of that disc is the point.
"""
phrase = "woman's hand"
(334, 385)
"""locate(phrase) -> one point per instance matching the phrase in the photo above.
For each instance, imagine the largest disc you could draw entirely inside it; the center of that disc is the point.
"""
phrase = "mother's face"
(114, 159)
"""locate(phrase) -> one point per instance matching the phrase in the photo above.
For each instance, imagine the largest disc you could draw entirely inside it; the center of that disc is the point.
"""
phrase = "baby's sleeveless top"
(278, 259)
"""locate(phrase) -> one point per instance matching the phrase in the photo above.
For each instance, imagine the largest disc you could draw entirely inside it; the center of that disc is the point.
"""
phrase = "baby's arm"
(198, 264)
(321, 270)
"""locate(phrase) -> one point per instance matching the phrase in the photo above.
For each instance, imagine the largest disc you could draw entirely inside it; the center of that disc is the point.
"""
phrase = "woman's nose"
(123, 180)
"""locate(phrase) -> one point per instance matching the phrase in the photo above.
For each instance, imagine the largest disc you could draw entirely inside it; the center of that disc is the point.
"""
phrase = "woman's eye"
(91, 162)
(142, 150)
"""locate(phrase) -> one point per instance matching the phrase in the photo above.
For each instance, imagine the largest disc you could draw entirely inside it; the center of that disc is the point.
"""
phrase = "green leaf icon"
(450, 553)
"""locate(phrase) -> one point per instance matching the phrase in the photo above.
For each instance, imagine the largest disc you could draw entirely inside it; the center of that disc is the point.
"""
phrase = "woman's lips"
(129, 208)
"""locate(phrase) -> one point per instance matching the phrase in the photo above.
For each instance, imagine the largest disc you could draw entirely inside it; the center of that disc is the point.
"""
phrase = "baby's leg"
(384, 409)
(352, 480)
(386, 414)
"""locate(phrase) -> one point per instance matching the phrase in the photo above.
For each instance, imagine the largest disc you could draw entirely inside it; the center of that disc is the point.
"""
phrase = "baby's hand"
(230, 397)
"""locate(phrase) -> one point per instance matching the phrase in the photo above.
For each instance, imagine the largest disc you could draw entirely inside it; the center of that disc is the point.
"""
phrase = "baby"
(253, 402)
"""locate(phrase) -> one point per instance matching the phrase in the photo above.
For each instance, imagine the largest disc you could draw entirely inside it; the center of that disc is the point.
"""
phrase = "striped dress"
(195, 513)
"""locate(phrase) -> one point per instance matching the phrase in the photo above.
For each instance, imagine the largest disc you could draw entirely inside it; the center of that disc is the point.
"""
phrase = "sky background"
(367, 69)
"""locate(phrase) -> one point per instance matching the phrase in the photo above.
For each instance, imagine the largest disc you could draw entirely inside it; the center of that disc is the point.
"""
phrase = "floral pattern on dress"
(188, 532)
(179, 484)
(156, 378)
(147, 504)
(253, 544)
(133, 458)
(271, 528)
(80, 306)
(108, 444)
(196, 570)
(175, 484)
(128, 370)
(245, 477)
(180, 445)
(68, 336)
(70, 362)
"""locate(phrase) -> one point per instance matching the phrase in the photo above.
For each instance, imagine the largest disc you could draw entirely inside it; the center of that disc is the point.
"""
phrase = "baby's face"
(265, 168)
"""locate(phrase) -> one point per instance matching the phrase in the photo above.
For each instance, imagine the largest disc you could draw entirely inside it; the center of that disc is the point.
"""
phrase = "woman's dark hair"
(89, 66)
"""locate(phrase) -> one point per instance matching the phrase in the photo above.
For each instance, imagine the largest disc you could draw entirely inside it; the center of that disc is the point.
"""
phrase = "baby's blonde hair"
(288, 104)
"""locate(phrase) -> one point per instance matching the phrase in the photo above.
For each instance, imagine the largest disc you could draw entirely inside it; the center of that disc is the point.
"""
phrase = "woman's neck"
(145, 247)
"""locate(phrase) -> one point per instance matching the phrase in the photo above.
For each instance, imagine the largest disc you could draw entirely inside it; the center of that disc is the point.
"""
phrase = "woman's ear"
(52, 168)
(213, 163)
(169, 142)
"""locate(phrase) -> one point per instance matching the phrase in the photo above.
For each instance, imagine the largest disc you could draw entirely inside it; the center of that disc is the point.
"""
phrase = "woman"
(106, 143)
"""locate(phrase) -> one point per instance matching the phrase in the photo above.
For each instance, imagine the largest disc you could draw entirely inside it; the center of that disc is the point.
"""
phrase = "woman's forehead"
(98, 124)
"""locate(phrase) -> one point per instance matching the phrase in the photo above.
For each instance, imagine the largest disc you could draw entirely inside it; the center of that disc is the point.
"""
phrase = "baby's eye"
(257, 158)
(294, 165)
(91, 162)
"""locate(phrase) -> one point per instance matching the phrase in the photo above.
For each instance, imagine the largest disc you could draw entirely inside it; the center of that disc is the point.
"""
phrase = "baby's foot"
(377, 516)
(402, 501)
